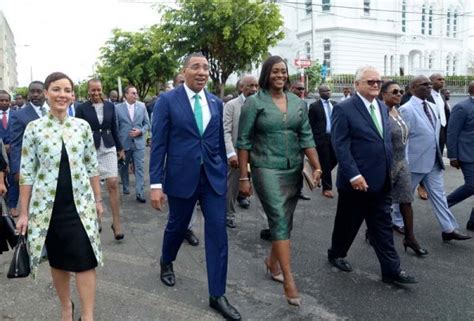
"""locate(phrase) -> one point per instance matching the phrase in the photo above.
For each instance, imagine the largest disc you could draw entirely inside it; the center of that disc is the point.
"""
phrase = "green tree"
(22, 91)
(139, 58)
(314, 75)
(232, 35)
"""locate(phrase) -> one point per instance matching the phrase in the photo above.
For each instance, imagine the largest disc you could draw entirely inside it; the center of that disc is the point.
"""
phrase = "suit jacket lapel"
(94, 115)
(323, 113)
(211, 103)
(32, 111)
(363, 110)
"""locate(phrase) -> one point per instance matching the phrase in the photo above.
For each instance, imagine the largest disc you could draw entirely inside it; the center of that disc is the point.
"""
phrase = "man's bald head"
(324, 92)
(420, 87)
(471, 88)
(437, 80)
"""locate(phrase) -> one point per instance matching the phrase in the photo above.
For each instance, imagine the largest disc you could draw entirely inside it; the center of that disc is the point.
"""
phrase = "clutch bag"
(308, 175)
(20, 265)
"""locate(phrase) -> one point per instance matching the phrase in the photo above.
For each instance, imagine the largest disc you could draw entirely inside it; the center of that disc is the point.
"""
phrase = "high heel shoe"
(118, 237)
(419, 251)
(295, 301)
(277, 277)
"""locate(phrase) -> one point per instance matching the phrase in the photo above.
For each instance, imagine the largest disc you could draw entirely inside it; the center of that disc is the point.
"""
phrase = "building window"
(326, 5)
(430, 61)
(448, 64)
(385, 65)
(430, 21)
(391, 65)
(367, 7)
(455, 61)
(423, 18)
(404, 15)
(307, 47)
(327, 54)
(448, 23)
(455, 22)
(309, 6)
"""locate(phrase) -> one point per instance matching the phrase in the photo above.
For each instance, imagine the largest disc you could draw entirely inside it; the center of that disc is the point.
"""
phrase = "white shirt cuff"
(229, 155)
(354, 178)
(156, 186)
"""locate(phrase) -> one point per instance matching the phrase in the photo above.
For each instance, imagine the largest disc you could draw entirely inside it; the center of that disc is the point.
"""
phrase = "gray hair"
(361, 70)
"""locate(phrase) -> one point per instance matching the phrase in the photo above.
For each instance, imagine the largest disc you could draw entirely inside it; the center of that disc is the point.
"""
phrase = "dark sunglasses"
(396, 92)
(373, 82)
(299, 88)
(426, 84)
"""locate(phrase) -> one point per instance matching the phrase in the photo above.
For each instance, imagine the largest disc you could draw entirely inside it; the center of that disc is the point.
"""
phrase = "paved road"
(129, 286)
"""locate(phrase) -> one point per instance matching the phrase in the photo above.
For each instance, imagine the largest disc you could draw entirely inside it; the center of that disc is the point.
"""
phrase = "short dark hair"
(55, 76)
(191, 55)
(91, 81)
(264, 80)
(387, 84)
(4, 92)
(125, 91)
(35, 82)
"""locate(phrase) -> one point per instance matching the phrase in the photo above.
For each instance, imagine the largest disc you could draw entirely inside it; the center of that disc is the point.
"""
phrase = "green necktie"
(198, 113)
(374, 119)
(43, 111)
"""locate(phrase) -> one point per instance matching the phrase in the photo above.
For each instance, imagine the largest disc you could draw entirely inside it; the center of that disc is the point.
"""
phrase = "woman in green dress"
(274, 136)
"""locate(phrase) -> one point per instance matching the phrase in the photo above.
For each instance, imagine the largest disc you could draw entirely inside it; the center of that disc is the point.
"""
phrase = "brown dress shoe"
(328, 194)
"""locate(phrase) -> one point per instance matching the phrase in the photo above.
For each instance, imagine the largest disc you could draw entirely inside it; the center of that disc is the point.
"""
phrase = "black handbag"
(20, 266)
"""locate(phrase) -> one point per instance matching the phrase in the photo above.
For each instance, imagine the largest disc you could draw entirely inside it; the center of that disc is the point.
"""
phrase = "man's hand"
(157, 198)
(121, 154)
(245, 188)
(135, 133)
(455, 163)
(360, 184)
(234, 161)
(317, 177)
(17, 177)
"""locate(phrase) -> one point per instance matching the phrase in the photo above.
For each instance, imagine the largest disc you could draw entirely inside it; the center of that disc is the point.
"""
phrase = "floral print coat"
(40, 160)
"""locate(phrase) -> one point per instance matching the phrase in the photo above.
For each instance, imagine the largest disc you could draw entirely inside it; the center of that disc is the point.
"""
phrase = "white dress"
(106, 156)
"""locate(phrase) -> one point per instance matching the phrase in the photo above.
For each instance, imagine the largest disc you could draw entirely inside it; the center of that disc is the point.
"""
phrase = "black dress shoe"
(470, 226)
(401, 278)
(341, 263)
(265, 234)
(221, 305)
(141, 199)
(243, 202)
(454, 235)
(167, 274)
(191, 238)
(230, 223)
(301, 196)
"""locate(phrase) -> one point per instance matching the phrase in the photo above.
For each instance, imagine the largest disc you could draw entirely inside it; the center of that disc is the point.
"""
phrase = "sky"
(66, 35)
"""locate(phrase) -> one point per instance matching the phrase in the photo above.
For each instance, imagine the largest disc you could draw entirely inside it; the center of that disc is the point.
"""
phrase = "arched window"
(455, 62)
(391, 65)
(385, 65)
(307, 47)
(448, 64)
(430, 61)
(327, 54)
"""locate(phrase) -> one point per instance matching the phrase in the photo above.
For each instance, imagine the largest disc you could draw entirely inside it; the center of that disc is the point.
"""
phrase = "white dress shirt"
(206, 113)
(440, 104)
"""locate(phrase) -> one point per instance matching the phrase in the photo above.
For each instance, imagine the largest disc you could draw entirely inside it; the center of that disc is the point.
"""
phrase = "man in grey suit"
(424, 155)
(248, 86)
(133, 123)
(461, 149)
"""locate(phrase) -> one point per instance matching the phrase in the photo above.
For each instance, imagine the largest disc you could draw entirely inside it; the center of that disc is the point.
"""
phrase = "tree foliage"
(139, 58)
(232, 35)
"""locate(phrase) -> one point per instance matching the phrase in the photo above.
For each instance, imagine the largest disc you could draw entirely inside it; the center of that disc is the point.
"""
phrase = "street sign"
(303, 63)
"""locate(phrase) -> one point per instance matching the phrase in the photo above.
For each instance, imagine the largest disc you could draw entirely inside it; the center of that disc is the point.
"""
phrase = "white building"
(8, 73)
(398, 37)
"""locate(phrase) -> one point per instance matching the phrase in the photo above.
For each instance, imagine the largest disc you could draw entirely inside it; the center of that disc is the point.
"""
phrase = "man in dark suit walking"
(362, 143)
(34, 109)
(461, 149)
(320, 113)
(188, 162)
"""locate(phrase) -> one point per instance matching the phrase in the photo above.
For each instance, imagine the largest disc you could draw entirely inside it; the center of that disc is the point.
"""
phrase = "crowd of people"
(56, 152)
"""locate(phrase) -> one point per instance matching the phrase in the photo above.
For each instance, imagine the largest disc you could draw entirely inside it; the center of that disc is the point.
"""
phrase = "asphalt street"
(129, 287)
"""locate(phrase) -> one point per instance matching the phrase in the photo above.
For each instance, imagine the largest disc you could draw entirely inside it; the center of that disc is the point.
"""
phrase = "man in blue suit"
(188, 162)
(5, 112)
(34, 109)
(361, 139)
(461, 149)
(133, 124)
(424, 154)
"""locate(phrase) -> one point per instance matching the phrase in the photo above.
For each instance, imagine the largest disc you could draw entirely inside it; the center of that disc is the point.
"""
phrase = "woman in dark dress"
(60, 198)
(401, 180)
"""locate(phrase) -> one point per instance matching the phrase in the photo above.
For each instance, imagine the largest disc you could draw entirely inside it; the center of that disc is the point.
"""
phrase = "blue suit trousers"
(466, 190)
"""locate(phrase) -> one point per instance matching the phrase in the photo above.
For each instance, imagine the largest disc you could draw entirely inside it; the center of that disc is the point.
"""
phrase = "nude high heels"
(277, 277)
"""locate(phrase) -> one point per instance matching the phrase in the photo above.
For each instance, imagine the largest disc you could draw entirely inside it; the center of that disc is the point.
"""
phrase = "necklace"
(403, 127)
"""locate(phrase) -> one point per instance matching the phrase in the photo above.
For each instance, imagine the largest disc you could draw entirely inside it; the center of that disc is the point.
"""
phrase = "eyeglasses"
(299, 88)
(396, 92)
(426, 84)
(373, 82)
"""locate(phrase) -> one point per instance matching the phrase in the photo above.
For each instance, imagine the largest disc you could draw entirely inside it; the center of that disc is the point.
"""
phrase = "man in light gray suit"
(424, 156)
(133, 124)
(461, 149)
(248, 86)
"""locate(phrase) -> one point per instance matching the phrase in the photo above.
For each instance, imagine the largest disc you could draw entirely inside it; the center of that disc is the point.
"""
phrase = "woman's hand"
(245, 188)
(317, 177)
(99, 209)
(22, 223)
(3, 189)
